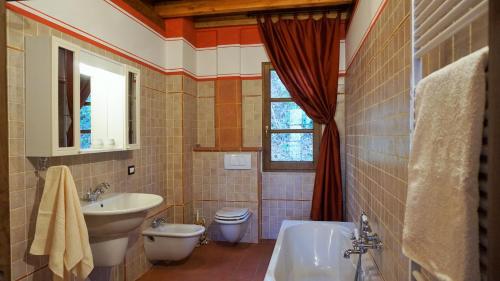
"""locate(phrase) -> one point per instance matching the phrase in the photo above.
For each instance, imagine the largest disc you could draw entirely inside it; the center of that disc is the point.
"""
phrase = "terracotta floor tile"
(218, 262)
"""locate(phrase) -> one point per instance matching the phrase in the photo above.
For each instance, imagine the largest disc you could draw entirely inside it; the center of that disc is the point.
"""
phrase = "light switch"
(131, 170)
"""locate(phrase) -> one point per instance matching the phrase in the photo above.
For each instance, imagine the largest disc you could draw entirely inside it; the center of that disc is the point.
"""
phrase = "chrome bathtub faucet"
(363, 241)
(96, 193)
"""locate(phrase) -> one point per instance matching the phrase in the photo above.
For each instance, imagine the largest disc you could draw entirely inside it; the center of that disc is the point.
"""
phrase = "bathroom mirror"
(108, 104)
(91, 103)
(102, 103)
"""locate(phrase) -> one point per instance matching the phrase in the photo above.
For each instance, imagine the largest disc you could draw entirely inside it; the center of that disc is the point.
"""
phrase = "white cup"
(97, 143)
(110, 142)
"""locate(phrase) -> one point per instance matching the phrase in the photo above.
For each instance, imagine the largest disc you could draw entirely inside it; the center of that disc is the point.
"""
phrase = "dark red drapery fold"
(84, 94)
(84, 88)
(305, 55)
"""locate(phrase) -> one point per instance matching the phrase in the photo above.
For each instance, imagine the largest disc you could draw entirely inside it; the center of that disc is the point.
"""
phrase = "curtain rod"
(338, 8)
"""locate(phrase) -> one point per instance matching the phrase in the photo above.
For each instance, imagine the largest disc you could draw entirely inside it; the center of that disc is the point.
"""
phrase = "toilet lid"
(233, 221)
(233, 218)
(231, 213)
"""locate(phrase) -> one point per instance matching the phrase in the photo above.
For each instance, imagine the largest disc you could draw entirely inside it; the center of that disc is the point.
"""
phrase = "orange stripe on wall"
(250, 35)
(213, 37)
(206, 38)
(180, 27)
(60, 28)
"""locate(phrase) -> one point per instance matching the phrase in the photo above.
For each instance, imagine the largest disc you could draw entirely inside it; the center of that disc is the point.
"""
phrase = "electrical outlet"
(131, 170)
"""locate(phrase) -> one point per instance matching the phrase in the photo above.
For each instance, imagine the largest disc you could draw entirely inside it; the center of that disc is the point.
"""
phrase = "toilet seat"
(230, 213)
(233, 220)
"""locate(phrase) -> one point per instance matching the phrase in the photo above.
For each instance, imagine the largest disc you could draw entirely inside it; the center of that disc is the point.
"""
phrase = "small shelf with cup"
(78, 102)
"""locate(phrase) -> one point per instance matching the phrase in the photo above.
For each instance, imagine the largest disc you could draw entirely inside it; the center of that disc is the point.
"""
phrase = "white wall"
(364, 15)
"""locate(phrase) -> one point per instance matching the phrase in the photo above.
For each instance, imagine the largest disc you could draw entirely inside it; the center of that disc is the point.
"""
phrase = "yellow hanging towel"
(61, 231)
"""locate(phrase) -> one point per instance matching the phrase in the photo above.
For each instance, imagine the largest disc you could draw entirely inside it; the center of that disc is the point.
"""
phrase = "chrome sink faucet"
(96, 193)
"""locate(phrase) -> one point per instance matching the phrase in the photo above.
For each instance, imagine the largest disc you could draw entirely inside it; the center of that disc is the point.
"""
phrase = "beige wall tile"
(251, 87)
(285, 196)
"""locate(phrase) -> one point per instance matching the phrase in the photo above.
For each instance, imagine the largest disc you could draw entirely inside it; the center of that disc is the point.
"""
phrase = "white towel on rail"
(441, 231)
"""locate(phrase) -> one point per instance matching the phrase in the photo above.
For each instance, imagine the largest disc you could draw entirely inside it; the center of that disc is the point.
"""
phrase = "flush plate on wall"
(237, 161)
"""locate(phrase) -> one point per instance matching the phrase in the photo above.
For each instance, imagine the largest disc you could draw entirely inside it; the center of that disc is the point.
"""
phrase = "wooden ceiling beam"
(147, 11)
(243, 19)
(190, 8)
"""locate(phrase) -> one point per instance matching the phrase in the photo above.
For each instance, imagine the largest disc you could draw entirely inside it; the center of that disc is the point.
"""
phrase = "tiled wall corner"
(285, 196)
(340, 122)
(206, 114)
(377, 133)
(189, 128)
(174, 131)
(182, 126)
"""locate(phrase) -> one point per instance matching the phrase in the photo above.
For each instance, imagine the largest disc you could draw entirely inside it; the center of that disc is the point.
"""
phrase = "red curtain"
(84, 88)
(84, 94)
(305, 55)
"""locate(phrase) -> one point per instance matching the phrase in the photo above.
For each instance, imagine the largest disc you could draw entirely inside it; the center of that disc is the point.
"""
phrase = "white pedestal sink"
(109, 221)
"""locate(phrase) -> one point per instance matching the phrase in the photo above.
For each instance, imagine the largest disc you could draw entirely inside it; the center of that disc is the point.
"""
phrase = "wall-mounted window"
(290, 137)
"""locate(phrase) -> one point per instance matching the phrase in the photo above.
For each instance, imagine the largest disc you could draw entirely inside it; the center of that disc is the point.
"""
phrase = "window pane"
(85, 142)
(278, 90)
(85, 118)
(288, 115)
(292, 147)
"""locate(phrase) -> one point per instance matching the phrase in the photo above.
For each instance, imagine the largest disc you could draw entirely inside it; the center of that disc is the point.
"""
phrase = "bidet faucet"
(158, 221)
(98, 190)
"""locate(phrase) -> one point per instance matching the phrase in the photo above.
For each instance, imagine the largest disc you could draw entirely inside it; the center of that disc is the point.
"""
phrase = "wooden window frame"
(282, 166)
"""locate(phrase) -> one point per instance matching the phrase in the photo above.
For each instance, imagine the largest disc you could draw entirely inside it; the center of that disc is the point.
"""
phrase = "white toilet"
(171, 242)
(233, 223)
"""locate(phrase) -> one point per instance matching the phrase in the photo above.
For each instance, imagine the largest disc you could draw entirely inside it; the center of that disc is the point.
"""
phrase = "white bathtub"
(313, 251)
